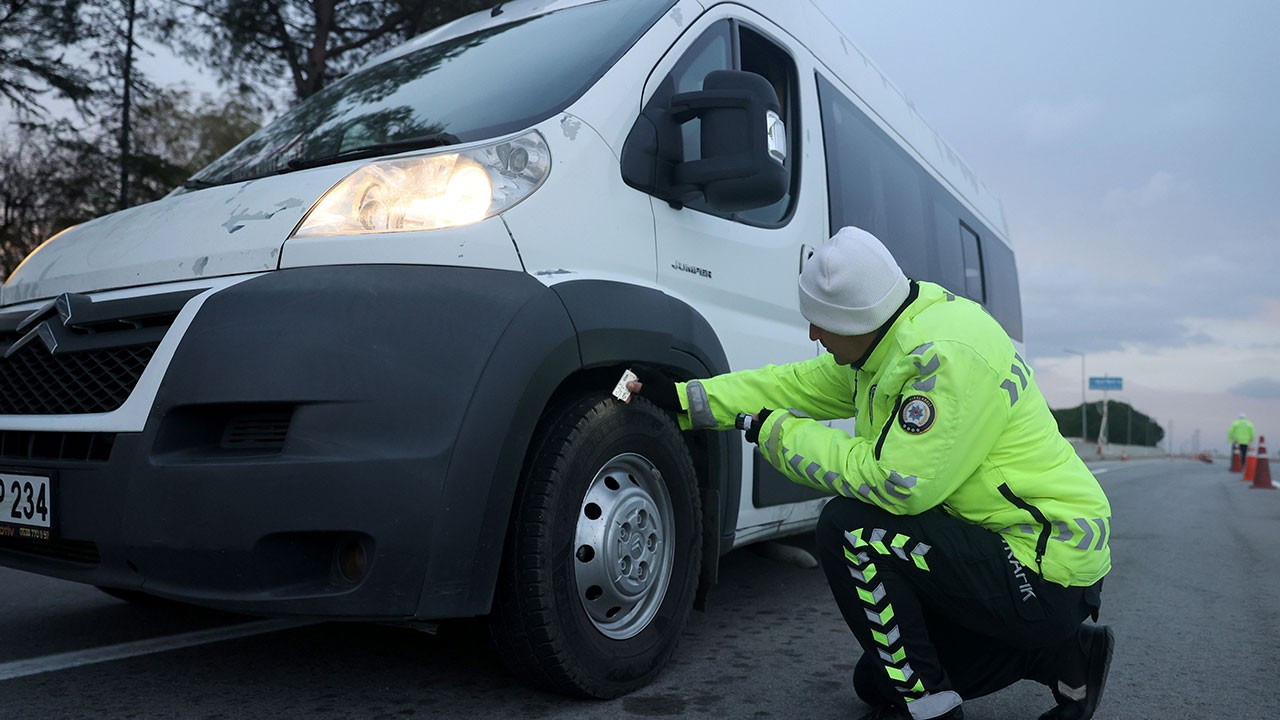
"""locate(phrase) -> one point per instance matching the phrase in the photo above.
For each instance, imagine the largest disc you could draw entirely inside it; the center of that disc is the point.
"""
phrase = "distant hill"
(1125, 426)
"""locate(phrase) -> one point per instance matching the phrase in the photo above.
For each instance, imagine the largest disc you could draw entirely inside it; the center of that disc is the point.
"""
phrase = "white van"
(360, 367)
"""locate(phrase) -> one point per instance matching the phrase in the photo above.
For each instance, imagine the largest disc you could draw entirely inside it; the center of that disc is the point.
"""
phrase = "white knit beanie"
(851, 285)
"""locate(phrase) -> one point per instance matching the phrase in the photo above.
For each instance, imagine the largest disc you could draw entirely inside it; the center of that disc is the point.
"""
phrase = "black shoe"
(1097, 642)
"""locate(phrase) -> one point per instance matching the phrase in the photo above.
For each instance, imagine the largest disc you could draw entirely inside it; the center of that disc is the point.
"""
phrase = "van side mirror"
(744, 145)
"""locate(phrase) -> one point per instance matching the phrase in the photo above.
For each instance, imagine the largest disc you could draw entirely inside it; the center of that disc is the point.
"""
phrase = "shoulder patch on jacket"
(917, 414)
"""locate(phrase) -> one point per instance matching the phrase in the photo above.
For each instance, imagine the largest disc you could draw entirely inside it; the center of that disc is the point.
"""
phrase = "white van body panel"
(240, 229)
(225, 230)
(584, 219)
(603, 229)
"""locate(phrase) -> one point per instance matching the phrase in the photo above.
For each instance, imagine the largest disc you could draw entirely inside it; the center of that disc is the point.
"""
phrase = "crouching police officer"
(968, 542)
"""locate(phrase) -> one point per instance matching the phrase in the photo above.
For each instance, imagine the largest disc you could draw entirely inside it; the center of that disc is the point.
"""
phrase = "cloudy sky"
(1136, 149)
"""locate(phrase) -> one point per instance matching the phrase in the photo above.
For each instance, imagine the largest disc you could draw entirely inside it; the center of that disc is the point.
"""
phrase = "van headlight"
(428, 192)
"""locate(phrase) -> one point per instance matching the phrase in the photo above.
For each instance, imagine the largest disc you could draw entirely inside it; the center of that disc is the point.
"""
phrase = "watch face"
(916, 415)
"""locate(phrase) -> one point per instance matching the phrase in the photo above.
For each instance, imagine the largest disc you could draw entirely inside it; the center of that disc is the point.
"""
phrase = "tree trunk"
(318, 55)
(126, 99)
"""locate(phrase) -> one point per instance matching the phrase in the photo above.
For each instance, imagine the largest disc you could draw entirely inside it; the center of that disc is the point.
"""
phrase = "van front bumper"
(380, 411)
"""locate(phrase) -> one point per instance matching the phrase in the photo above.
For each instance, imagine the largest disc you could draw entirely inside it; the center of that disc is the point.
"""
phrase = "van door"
(740, 269)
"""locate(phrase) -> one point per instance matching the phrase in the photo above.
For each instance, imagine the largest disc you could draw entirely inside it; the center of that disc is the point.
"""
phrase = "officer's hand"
(753, 432)
(657, 387)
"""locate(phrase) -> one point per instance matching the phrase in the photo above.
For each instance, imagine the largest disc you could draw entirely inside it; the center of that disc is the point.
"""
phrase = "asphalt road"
(1194, 599)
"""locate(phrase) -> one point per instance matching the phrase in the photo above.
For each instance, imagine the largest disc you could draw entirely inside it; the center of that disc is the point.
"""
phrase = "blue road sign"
(1106, 383)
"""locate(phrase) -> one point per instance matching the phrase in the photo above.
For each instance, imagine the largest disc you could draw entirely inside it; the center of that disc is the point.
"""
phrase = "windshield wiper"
(414, 143)
(199, 184)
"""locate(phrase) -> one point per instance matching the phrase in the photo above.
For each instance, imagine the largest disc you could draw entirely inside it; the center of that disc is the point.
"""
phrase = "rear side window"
(973, 286)
(876, 185)
(872, 183)
(1002, 287)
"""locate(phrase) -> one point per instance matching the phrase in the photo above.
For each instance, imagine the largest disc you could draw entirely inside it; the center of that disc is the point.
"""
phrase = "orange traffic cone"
(1262, 468)
(1235, 457)
(1251, 465)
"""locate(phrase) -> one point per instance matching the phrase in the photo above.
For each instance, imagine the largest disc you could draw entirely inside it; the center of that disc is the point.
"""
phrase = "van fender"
(617, 324)
(558, 337)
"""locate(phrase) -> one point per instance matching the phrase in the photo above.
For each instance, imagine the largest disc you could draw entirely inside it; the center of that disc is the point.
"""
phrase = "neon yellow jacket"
(947, 414)
(1241, 432)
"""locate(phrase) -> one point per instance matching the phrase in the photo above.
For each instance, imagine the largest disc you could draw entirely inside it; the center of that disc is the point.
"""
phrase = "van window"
(730, 45)
(973, 286)
(713, 50)
(498, 80)
(947, 266)
(872, 183)
(760, 56)
(1003, 299)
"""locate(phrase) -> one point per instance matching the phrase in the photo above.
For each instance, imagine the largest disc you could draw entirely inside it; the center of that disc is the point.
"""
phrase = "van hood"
(224, 230)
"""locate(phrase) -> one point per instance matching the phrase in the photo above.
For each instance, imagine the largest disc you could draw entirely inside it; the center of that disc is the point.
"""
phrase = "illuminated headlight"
(427, 192)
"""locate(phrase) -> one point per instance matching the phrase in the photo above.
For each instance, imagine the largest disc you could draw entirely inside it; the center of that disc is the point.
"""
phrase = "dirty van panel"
(220, 231)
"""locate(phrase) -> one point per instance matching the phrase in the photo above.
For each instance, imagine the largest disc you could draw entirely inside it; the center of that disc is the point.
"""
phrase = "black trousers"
(938, 604)
(1244, 452)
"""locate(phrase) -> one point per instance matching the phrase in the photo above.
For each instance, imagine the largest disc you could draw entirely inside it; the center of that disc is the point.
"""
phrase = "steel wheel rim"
(624, 546)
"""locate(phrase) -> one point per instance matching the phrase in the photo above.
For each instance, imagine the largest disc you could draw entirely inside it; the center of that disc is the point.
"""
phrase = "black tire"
(546, 627)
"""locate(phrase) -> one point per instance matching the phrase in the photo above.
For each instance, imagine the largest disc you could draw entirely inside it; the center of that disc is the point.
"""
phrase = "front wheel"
(603, 555)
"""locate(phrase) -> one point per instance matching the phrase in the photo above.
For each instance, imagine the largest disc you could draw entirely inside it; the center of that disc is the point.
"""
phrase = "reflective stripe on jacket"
(947, 413)
(1241, 432)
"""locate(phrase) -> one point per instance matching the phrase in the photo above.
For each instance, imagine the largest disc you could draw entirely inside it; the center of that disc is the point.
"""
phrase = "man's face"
(845, 348)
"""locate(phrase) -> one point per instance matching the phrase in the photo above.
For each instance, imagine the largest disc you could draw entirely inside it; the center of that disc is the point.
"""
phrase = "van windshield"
(488, 83)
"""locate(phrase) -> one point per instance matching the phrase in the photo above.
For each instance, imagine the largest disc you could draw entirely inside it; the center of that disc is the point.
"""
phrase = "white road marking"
(92, 656)
(1099, 471)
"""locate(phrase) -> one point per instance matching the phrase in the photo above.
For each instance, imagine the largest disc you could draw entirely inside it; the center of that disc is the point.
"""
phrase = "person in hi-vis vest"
(967, 541)
(1240, 435)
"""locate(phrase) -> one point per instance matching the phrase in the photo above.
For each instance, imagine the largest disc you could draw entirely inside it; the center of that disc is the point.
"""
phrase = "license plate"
(26, 507)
